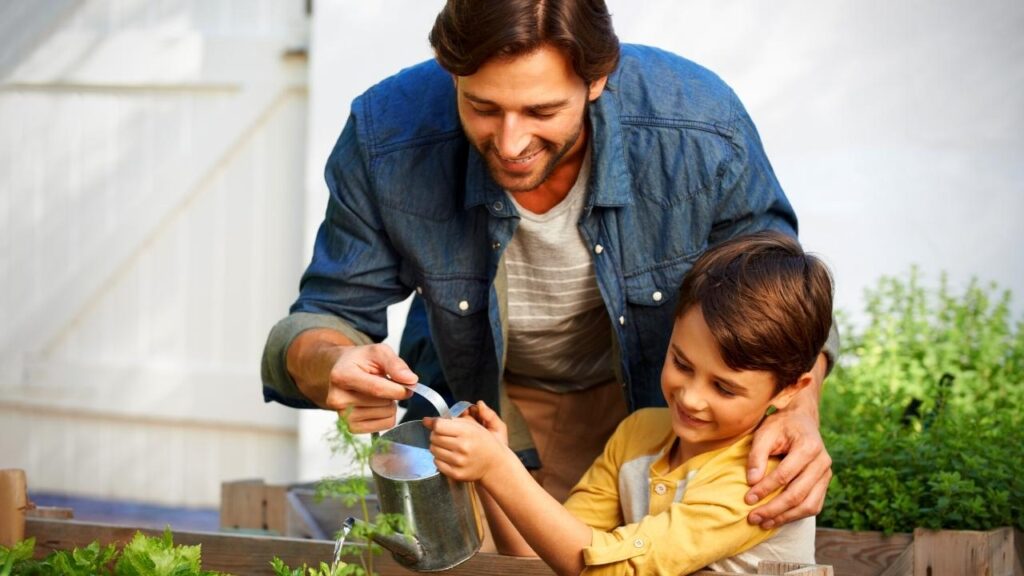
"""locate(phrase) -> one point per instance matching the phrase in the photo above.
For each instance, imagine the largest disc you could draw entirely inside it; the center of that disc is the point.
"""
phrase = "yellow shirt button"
(638, 543)
(660, 489)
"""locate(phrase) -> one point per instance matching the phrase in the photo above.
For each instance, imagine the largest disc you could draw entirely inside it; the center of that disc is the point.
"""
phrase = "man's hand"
(463, 448)
(361, 383)
(806, 468)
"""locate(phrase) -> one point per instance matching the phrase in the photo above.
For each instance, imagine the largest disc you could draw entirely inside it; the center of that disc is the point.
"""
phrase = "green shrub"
(922, 416)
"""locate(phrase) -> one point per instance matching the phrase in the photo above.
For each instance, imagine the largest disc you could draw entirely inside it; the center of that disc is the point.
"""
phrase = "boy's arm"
(466, 451)
(507, 539)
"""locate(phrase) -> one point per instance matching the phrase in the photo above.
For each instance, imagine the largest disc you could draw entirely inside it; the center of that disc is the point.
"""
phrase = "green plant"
(143, 556)
(922, 417)
(352, 489)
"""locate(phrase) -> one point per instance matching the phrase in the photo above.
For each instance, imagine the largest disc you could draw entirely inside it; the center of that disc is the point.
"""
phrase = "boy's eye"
(724, 390)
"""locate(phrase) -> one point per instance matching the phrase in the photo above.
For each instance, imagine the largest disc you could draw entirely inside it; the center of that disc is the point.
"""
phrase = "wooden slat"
(903, 565)
(859, 553)
(251, 555)
(13, 502)
(941, 552)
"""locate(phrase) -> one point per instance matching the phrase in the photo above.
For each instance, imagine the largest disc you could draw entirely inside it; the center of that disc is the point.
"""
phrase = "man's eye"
(485, 112)
(542, 115)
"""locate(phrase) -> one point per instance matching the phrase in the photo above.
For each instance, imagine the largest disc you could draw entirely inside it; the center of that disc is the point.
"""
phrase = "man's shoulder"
(653, 82)
(414, 105)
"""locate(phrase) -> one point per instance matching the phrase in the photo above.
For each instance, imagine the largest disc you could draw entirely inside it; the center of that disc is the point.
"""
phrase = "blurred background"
(161, 182)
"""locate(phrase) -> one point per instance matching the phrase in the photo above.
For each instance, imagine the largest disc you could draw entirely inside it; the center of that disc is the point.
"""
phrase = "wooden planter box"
(250, 555)
(998, 552)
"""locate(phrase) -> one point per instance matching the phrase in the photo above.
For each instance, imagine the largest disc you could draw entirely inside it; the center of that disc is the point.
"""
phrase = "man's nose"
(513, 138)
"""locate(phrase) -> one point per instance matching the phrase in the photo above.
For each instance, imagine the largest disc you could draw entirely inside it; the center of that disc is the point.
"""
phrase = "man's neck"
(558, 184)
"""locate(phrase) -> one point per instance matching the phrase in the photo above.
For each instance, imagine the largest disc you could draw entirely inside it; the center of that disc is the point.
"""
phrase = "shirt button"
(496, 245)
(419, 289)
(659, 489)
(638, 543)
(498, 206)
(657, 296)
(463, 305)
(598, 249)
(622, 320)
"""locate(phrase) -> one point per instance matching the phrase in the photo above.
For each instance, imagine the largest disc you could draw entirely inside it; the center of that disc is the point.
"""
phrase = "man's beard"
(528, 182)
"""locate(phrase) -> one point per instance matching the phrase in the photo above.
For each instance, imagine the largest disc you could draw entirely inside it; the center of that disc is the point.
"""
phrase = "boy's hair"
(767, 303)
(468, 33)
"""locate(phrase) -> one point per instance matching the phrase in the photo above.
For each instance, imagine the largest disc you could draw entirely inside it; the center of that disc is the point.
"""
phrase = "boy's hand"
(463, 448)
(490, 420)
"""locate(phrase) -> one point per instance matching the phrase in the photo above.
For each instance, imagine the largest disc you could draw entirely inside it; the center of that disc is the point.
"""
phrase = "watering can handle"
(438, 403)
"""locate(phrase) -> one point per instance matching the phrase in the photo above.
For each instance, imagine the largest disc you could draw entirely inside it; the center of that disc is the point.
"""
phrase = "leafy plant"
(143, 556)
(921, 415)
(352, 489)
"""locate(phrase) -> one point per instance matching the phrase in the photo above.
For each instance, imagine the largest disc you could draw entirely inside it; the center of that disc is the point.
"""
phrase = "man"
(543, 190)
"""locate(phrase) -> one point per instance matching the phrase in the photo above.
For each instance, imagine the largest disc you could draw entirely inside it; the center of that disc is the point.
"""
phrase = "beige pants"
(569, 430)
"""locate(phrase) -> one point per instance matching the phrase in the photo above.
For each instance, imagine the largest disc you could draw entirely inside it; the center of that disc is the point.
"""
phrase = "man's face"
(525, 115)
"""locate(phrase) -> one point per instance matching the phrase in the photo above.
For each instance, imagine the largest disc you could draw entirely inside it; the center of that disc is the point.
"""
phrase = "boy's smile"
(712, 405)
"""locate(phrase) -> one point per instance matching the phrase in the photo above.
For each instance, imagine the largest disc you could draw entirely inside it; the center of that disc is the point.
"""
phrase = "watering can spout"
(401, 545)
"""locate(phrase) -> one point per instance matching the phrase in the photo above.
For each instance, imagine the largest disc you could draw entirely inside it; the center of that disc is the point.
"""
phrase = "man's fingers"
(369, 413)
(757, 461)
(365, 426)
(769, 517)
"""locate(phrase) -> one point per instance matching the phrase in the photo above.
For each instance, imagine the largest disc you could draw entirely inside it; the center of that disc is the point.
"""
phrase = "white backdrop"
(894, 127)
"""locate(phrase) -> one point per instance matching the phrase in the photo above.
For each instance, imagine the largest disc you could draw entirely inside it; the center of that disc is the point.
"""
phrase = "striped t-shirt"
(559, 335)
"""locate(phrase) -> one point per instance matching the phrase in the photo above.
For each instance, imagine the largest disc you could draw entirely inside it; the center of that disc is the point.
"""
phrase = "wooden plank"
(859, 553)
(242, 505)
(954, 552)
(13, 502)
(1018, 541)
(50, 512)
(903, 565)
(251, 555)
(275, 509)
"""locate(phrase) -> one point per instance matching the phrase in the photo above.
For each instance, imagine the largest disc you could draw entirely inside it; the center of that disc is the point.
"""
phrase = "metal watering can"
(443, 515)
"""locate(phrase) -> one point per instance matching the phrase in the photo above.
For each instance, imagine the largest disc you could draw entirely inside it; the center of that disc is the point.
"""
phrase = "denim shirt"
(677, 166)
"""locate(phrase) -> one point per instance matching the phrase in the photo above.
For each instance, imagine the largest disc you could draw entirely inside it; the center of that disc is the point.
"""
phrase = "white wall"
(896, 128)
(151, 193)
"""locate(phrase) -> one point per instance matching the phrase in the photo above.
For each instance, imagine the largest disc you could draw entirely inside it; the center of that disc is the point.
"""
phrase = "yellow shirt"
(648, 519)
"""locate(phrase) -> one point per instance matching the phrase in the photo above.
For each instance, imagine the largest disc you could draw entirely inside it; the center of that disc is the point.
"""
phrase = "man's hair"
(468, 33)
(767, 303)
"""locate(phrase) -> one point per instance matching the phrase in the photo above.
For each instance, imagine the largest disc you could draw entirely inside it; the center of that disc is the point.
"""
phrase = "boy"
(666, 496)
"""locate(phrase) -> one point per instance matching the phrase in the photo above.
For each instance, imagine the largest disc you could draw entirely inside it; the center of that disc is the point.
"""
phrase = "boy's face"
(525, 115)
(712, 405)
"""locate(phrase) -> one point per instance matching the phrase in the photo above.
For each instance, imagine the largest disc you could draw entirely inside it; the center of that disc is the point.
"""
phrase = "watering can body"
(443, 515)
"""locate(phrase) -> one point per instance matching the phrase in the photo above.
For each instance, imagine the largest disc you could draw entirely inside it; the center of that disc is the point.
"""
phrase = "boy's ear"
(783, 398)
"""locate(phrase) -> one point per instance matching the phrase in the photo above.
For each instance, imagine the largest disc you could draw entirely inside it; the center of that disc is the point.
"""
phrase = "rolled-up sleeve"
(278, 385)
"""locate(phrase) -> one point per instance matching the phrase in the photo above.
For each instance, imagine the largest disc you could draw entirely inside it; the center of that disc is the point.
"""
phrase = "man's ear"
(596, 88)
(786, 395)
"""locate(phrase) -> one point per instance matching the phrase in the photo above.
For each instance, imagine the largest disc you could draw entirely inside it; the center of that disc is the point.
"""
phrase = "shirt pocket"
(461, 296)
(651, 298)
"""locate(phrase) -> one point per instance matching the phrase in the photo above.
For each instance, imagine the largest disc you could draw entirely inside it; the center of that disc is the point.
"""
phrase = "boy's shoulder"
(645, 431)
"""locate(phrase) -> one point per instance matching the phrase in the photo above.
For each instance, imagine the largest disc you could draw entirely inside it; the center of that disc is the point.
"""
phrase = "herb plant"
(921, 416)
(352, 489)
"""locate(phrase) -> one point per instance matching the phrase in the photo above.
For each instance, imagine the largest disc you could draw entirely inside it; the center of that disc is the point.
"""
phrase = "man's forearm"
(310, 358)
